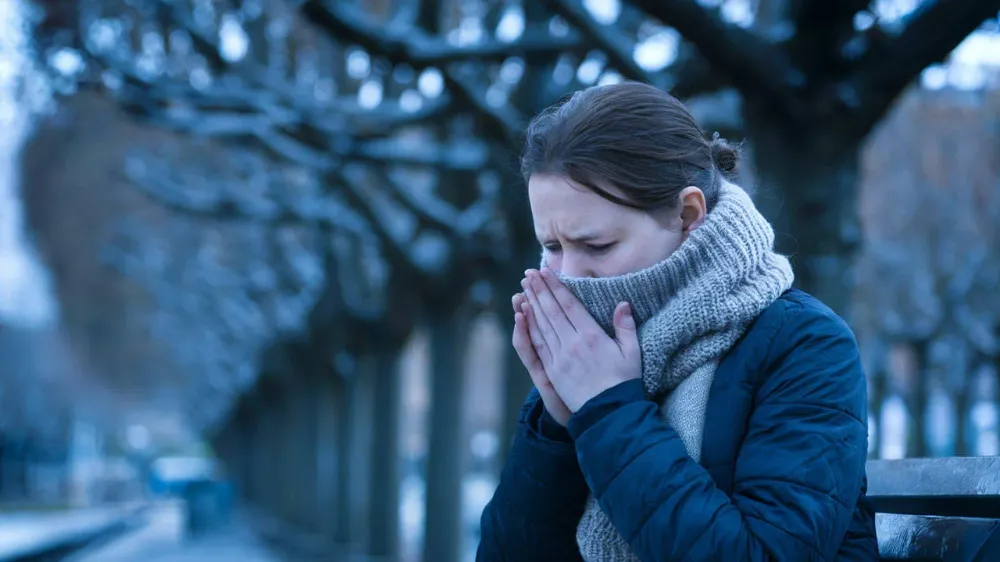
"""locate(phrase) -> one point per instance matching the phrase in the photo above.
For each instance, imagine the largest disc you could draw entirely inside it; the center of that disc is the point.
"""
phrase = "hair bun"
(725, 156)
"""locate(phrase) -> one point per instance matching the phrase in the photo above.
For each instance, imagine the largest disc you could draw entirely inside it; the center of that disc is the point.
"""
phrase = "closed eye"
(599, 248)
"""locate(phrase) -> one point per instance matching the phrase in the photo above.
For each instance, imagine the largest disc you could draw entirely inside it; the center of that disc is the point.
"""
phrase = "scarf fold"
(690, 309)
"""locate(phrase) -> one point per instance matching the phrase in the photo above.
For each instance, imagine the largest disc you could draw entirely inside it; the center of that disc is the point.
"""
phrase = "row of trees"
(411, 112)
(383, 180)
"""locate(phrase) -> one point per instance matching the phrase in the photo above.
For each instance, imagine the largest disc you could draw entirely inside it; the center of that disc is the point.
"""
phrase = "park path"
(25, 531)
(162, 539)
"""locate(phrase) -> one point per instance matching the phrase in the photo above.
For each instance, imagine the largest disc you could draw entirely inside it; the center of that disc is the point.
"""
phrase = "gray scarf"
(690, 309)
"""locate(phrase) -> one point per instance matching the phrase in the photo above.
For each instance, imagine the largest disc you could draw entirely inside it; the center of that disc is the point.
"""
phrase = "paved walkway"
(23, 532)
(162, 540)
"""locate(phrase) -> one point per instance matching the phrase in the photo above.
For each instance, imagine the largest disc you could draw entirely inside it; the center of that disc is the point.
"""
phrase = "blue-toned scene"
(499, 280)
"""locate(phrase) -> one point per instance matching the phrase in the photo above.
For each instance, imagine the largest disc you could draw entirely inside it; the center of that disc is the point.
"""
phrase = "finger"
(517, 301)
(529, 358)
(550, 306)
(525, 351)
(535, 337)
(626, 335)
(571, 306)
(538, 322)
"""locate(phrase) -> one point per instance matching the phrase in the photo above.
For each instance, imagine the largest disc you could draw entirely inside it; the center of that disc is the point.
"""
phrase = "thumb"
(625, 330)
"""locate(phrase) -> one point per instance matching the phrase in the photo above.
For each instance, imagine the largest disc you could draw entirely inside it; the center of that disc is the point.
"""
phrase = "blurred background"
(256, 256)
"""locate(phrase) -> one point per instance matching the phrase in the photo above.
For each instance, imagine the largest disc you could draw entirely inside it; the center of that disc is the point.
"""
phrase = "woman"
(688, 404)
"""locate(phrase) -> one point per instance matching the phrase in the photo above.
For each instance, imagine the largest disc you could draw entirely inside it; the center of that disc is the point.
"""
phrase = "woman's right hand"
(523, 322)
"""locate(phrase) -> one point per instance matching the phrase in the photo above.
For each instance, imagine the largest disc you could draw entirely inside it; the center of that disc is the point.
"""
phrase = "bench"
(943, 509)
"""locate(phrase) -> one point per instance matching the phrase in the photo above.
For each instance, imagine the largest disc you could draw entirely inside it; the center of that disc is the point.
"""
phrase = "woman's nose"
(572, 266)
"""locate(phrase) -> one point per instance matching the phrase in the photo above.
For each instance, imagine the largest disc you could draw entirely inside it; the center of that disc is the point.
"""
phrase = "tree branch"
(930, 34)
(155, 181)
(755, 67)
(438, 213)
(502, 121)
(411, 46)
(398, 250)
(610, 38)
(720, 112)
(403, 44)
(822, 29)
(315, 138)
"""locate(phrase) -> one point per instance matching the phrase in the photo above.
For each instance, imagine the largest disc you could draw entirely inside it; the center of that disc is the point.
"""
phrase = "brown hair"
(630, 143)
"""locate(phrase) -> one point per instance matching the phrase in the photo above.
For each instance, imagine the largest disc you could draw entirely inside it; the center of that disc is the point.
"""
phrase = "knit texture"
(690, 309)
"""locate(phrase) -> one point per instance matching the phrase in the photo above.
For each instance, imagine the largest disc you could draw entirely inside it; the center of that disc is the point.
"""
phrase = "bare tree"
(930, 213)
(407, 117)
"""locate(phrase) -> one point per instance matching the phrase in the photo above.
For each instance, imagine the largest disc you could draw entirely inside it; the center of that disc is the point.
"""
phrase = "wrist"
(551, 428)
(603, 404)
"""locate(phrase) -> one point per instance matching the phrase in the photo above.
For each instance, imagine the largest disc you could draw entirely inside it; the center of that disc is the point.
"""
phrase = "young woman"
(688, 403)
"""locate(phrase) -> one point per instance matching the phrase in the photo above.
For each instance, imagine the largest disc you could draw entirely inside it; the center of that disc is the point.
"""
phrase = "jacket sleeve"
(537, 505)
(797, 476)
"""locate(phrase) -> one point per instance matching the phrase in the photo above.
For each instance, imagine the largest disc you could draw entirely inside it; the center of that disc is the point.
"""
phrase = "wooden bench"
(944, 509)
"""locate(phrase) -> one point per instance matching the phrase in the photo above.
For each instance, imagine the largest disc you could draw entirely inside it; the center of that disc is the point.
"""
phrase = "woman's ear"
(694, 209)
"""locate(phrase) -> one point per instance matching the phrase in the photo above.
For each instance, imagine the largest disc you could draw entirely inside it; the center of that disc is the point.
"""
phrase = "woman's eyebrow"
(585, 237)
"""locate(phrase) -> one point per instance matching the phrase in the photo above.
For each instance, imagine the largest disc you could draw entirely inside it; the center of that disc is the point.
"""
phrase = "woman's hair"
(630, 143)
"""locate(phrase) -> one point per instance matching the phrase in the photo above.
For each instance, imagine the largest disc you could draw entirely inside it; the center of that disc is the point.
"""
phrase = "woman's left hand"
(579, 358)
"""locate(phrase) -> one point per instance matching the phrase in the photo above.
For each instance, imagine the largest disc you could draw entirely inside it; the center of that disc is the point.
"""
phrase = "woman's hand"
(575, 354)
(526, 352)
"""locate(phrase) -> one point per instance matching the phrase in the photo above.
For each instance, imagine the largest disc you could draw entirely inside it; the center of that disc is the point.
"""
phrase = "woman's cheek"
(554, 261)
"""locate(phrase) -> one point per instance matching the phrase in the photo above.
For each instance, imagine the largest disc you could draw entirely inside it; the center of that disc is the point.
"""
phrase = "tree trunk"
(278, 486)
(517, 384)
(342, 531)
(245, 430)
(383, 535)
(809, 193)
(306, 409)
(442, 532)
(877, 400)
(917, 401)
(359, 458)
(265, 475)
(964, 394)
(330, 510)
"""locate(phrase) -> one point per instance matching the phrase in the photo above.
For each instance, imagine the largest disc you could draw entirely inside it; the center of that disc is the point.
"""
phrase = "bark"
(442, 531)
(517, 385)
(877, 400)
(264, 462)
(383, 537)
(359, 458)
(330, 480)
(342, 528)
(304, 406)
(963, 407)
(808, 190)
(916, 401)
(241, 463)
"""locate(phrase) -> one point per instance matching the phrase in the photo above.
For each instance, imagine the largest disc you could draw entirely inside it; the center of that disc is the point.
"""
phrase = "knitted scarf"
(690, 309)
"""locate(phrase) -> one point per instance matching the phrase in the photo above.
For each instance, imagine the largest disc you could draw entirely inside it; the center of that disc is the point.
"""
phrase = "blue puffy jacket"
(782, 470)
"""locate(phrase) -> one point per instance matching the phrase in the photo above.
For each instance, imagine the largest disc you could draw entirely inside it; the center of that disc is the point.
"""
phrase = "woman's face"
(585, 235)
